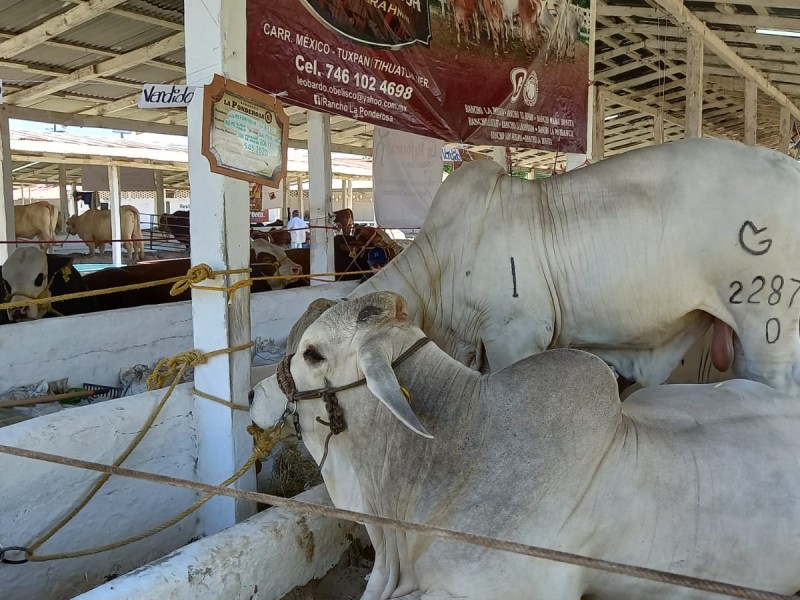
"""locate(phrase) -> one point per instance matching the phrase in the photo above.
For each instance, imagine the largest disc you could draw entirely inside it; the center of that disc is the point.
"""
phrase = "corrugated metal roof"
(39, 142)
(114, 32)
(21, 15)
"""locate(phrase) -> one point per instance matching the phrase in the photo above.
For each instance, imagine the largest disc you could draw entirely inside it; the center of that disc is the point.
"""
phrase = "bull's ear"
(376, 364)
(379, 307)
(55, 263)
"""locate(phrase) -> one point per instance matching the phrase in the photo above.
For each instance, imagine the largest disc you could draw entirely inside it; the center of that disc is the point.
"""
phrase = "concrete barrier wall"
(94, 348)
(34, 495)
(264, 557)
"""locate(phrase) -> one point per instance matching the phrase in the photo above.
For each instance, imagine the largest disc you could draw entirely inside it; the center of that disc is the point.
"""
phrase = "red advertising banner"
(497, 72)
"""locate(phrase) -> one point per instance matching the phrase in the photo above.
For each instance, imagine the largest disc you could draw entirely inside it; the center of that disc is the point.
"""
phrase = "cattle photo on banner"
(505, 73)
(406, 172)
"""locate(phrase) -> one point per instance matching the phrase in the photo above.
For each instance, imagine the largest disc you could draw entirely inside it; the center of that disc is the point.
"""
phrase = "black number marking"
(773, 330)
(775, 295)
(791, 300)
(733, 299)
(763, 282)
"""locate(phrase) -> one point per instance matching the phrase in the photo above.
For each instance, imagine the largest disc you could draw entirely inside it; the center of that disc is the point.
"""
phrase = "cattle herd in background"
(549, 26)
(33, 273)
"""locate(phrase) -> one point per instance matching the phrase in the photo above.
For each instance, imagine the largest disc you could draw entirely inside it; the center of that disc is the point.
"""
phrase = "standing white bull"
(632, 259)
(697, 480)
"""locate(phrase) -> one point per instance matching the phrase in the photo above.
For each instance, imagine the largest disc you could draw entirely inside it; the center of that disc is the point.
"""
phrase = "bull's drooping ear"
(376, 364)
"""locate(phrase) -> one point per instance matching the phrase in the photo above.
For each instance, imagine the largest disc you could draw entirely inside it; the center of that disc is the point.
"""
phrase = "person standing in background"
(298, 228)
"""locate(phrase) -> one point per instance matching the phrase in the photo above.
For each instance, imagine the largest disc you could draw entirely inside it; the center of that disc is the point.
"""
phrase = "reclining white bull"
(632, 259)
(701, 480)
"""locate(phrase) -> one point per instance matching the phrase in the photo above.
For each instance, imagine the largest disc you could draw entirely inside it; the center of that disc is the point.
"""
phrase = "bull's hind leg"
(768, 351)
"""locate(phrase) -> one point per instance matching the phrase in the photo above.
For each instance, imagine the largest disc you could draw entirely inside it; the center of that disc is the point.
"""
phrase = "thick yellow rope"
(176, 367)
(264, 443)
(191, 277)
(166, 367)
(181, 283)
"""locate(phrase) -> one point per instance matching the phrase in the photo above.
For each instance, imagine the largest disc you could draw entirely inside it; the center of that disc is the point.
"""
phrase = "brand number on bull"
(774, 293)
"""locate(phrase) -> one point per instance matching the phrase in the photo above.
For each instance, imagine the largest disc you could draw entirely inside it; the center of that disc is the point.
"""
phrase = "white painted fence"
(264, 557)
(34, 495)
(94, 348)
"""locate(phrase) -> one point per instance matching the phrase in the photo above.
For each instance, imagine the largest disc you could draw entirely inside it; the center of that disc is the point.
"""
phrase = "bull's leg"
(130, 253)
(653, 366)
(91, 247)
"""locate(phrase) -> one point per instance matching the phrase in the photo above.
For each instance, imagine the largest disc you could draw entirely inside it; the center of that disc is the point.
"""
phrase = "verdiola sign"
(157, 95)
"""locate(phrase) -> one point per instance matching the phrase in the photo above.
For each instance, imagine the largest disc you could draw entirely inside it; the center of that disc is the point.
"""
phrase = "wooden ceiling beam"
(715, 44)
(86, 11)
(105, 68)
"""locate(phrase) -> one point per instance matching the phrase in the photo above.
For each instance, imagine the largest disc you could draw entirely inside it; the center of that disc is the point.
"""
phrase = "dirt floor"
(344, 582)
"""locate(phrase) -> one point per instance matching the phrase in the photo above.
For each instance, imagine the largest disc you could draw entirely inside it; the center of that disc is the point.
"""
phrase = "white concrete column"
(300, 200)
(320, 192)
(499, 156)
(785, 131)
(161, 204)
(114, 202)
(285, 200)
(63, 193)
(349, 194)
(694, 85)
(593, 89)
(220, 217)
(575, 161)
(750, 111)
(7, 229)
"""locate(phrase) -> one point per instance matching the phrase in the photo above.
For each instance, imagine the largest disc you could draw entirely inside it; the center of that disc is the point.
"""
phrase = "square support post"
(320, 194)
(7, 229)
(114, 203)
(220, 223)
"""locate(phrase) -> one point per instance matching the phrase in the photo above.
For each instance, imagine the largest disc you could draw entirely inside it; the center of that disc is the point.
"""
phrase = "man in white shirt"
(298, 229)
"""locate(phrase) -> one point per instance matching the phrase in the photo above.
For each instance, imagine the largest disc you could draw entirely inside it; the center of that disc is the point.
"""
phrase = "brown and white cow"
(264, 251)
(342, 220)
(94, 228)
(29, 273)
(38, 220)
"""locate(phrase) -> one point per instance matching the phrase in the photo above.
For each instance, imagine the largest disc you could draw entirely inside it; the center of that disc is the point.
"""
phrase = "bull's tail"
(58, 225)
(136, 234)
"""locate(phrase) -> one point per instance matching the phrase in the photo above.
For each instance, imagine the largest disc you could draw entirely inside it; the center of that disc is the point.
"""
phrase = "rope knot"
(264, 441)
(194, 275)
(166, 367)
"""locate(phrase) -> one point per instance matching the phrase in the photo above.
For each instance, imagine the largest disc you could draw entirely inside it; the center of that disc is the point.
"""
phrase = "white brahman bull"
(38, 220)
(701, 480)
(94, 228)
(631, 258)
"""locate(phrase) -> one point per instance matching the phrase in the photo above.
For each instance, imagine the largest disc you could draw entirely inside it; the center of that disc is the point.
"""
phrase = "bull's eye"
(39, 280)
(312, 355)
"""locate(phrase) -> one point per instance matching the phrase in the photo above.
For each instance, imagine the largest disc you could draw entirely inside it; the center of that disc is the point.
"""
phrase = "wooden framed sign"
(245, 132)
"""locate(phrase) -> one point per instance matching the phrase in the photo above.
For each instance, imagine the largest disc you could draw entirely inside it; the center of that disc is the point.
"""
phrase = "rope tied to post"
(167, 367)
(194, 275)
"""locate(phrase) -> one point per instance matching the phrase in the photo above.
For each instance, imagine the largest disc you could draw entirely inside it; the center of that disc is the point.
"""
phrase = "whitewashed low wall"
(34, 495)
(94, 348)
(264, 557)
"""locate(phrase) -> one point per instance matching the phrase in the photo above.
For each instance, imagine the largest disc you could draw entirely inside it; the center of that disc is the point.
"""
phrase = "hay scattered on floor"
(294, 469)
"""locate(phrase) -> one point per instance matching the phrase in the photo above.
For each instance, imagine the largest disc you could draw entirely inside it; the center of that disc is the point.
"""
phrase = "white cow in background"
(632, 258)
(696, 480)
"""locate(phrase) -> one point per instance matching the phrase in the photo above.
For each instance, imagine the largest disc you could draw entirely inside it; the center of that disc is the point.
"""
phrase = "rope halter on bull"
(44, 299)
(336, 421)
